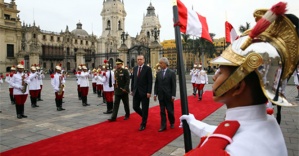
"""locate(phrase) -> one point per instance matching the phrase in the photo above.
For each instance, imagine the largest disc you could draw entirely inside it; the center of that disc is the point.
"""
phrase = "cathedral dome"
(79, 31)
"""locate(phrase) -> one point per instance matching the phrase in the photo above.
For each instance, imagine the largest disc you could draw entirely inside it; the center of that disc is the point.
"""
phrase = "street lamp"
(124, 37)
(155, 33)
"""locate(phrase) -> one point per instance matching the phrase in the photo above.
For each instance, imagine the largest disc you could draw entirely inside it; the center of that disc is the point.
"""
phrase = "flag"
(192, 23)
(230, 33)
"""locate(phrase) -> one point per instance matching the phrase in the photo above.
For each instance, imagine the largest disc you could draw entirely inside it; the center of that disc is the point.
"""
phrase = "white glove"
(197, 127)
(188, 118)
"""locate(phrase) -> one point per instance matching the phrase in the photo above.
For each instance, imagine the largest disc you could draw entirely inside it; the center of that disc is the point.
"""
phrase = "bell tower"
(113, 24)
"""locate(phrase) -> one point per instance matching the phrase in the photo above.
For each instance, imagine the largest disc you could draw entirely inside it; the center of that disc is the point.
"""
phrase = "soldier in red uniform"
(7, 79)
(19, 82)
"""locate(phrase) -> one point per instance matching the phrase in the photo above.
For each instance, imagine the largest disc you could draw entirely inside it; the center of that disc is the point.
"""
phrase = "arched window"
(148, 34)
(108, 25)
(119, 25)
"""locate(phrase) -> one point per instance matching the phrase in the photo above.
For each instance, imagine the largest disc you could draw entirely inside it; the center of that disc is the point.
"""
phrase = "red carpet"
(117, 138)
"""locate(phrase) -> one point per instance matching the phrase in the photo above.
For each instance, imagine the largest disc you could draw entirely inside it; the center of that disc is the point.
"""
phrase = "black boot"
(94, 90)
(83, 101)
(104, 99)
(60, 104)
(38, 97)
(22, 111)
(18, 111)
(109, 108)
(99, 93)
(200, 95)
(32, 102)
(79, 96)
(86, 101)
(57, 105)
(12, 100)
(35, 101)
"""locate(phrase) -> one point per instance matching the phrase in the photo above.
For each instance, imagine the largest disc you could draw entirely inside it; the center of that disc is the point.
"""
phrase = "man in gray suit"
(165, 89)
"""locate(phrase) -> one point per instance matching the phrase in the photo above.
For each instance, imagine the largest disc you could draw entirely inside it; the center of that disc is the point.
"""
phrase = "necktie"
(163, 73)
(139, 70)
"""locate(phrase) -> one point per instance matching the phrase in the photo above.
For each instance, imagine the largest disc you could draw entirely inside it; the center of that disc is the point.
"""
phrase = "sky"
(54, 15)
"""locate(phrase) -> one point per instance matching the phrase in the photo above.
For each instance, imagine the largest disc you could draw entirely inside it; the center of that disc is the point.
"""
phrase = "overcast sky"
(54, 15)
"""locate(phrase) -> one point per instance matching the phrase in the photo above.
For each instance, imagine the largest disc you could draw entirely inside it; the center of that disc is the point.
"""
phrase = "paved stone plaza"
(45, 122)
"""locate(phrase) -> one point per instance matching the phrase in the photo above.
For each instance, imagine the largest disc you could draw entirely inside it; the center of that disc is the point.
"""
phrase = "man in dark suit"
(165, 89)
(141, 88)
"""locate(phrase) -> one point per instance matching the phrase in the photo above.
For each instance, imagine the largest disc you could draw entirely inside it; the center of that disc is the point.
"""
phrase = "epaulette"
(215, 144)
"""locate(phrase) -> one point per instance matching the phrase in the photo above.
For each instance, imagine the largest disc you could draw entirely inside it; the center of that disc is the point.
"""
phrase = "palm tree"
(242, 28)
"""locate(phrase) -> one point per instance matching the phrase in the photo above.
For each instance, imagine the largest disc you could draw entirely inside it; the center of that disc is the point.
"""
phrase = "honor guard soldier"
(19, 82)
(121, 90)
(248, 130)
(99, 82)
(108, 87)
(34, 86)
(84, 84)
(42, 76)
(93, 81)
(7, 79)
(193, 73)
(201, 80)
(78, 81)
(104, 70)
(57, 82)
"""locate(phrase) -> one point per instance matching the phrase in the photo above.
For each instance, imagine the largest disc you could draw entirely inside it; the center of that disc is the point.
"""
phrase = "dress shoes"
(19, 116)
(40, 100)
(141, 128)
(126, 118)
(112, 120)
(172, 126)
(62, 108)
(162, 129)
(108, 112)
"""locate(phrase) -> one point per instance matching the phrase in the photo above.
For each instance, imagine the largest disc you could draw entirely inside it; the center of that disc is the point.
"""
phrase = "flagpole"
(182, 79)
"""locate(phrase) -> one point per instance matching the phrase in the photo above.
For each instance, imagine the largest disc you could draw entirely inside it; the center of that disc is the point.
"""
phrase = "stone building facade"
(30, 43)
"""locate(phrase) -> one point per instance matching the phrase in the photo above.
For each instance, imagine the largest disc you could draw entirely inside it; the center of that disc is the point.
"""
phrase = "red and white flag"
(192, 23)
(230, 33)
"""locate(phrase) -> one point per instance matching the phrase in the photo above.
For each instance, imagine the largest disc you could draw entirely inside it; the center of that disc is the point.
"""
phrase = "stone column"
(35, 51)
(123, 54)
(80, 57)
(155, 53)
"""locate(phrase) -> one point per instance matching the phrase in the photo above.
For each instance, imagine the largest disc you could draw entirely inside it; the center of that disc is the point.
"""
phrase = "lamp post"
(124, 37)
(155, 33)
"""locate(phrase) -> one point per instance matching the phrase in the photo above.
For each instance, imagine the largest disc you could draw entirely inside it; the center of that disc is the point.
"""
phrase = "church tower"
(150, 25)
(113, 25)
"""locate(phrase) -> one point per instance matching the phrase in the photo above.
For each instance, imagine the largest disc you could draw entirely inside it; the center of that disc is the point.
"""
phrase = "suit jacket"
(143, 84)
(165, 87)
